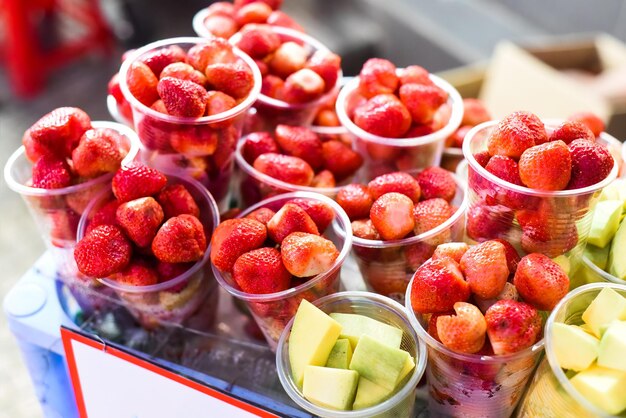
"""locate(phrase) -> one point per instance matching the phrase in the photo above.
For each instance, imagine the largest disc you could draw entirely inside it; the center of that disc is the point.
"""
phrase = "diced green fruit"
(617, 260)
(563, 262)
(353, 326)
(615, 191)
(573, 347)
(313, 336)
(369, 394)
(409, 365)
(378, 362)
(598, 256)
(604, 388)
(605, 222)
(606, 307)
(612, 351)
(330, 388)
(340, 355)
(588, 330)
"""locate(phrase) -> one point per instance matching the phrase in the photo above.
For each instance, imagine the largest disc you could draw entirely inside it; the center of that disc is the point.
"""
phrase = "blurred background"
(551, 57)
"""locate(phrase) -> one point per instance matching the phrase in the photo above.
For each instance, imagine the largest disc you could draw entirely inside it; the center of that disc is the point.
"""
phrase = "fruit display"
(478, 309)
(148, 240)
(398, 219)
(280, 251)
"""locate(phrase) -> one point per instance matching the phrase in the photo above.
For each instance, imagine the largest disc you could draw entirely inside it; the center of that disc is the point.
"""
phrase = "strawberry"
(158, 59)
(383, 115)
(474, 112)
(279, 18)
(234, 237)
(51, 173)
(414, 74)
(262, 215)
(320, 212)
(512, 256)
(540, 281)
(464, 332)
(417, 254)
(216, 50)
(140, 219)
(136, 180)
(223, 8)
(432, 324)
(56, 133)
(180, 239)
(512, 326)
(356, 200)
(324, 179)
(453, 250)
(159, 106)
(288, 58)
(377, 76)
(398, 182)
(169, 271)
(429, 214)
(256, 144)
(486, 222)
(229, 214)
(272, 86)
(99, 151)
(103, 251)
(341, 160)
(591, 163)
(218, 102)
(364, 228)
(436, 182)
(285, 168)
(456, 139)
(301, 142)
(195, 140)
(562, 242)
(546, 167)
(516, 133)
(590, 120)
(255, 12)
(258, 41)
(326, 117)
(234, 79)
(509, 292)
(142, 83)
(327, 65)
(504, 168)
(290, 218)
(261, 271)
(569, 131)
(437, 286)
(221, 26)
(176, 200)
(392, 215)
(274, 4)
(303, 86)
(182, 97)
(422, 101)
(485, 268)
(184, 71)
(307, 255)
(226, 142)
(106, 215)
(137, 273)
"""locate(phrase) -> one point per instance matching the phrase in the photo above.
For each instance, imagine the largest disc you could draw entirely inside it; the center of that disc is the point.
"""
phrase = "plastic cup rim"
(605, 275)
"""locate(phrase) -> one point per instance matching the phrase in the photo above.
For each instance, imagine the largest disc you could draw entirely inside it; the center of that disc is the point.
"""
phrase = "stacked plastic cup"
(380, 308)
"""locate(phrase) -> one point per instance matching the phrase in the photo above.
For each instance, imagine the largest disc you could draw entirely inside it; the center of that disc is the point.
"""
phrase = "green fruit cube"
(378, 362)
(605, 388)
(573, 347)
(605, 222)
(340, 355)
(369, 394)
(606, 307)
(354, 326)
(598, 256)
(330, 388)
(612, 350)
(617, 260)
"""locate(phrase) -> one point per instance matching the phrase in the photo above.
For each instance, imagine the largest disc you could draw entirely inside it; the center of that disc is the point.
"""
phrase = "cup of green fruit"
(351, 354)
(584, 371)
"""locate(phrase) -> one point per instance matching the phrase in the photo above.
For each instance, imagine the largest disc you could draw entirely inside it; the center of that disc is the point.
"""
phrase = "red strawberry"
(326, 117)
(429, 214)
(182, 97)
(137, 273)
(508, 293)
(303, 86)
(274, 4)
(223, 8)
(99, 151)
(516, 133)
(485, 268)
(255, 12)
(482, 158)
(417, 254)
(414, 74)
(340, 159)
(168, 271)
(218, 102)
(216, 50)
(229, 214)
(512, 256)
(364, 228)
(184, 71)
(142, 83)
(453, 250)
(56, 133)
(180, 239)
(300, 142)
(356, 200)
(262, 215)
(176, 200)
(195, 141)
(512, 326)
(327, 65)
(540, 281)
(320, 212)
(258, 143)
(63, 226)
(383, 115)
(432, 324)
(140, 219)
(258, 41)
(221, 26)
(392, 215)
(504, 168)
(51, 173)
(286, 168)
(288, 58)
(159, 106)
(464, 332)
(546, 167)
(223, 155)
(378, 76)
(456, 139)
(290, 218)
(486, 222)
(398, 182)
(474, 112)
(437, 182)
(569, 131)
(136, 180)
(261, 271)
(103, 251)
(234, 237)
(590, 120)
(307, 255)
(282, 19)
(234, 79)
(422, 101)
(437, 286)
(591, 163)
(159, 59)
(560, 244)
(273, 86)
(105, 215)
(324, 179)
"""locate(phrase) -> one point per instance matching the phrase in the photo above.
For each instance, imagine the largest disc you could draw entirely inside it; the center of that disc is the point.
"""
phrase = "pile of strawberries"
(148, 234)
(485, 299)
(474, 113)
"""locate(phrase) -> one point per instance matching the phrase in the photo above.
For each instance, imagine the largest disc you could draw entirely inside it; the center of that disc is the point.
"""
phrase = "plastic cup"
(272, 311)
(199, 26)
(57, 211)
(161, 134)
(550, 392)
(380, 308)
(116, 113)
(336, 133)
(267, 111)
(451, 158)
(472, 385)
(387, 266)
(590, 273)
(558, 221)
(189, 299)
(384, 155)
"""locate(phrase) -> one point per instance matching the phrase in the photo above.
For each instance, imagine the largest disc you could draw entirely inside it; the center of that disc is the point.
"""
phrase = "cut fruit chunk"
(612, 350)
(573, 347)
(369, 394)
(378, 362)
(330, 388)
(409, 365)
(606, 307)
(605, 221)
(340, 355)
(617, 261)
(598, 256)
(605, 388)
(354, 326)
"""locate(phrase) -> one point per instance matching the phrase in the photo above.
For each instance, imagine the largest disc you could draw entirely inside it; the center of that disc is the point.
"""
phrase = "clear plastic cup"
(472, 385)
(57, 211)
(115, 112)
(160, 134)
(550, 392)
(461, 171)
(557, 222)
(380, 308)
(268, 112)
(451, 158)
(590, 273)
(272, 311)
(198, 24)
(384, 155)
(387, 266)
(189, 299)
